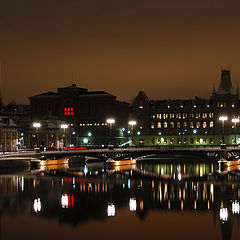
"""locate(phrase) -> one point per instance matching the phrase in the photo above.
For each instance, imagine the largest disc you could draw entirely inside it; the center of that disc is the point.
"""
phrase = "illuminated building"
(9, 135)
(188, 121)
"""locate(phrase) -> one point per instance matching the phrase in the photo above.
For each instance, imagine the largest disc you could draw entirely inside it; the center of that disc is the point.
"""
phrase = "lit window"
(152, 126)
(172, 124)
(159, 116)
(210, 115)
(172, 141)
(153, 116)
(184, 124)
(165, 125)
(68, 111)
(178, 125)
(211, 124)
(165, 115)
(233, 105)
(198, 125)
(159, 125)
(204, 124)
(198, 115)
(204, 140)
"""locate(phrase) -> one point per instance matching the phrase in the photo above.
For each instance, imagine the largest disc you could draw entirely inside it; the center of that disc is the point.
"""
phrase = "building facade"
(9, 135)
(86, 113)
(189, 122)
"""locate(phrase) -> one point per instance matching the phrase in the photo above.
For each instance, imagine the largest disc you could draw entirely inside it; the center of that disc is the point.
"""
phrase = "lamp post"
(223, 119)
(235, 121)
(37, 125)
(64, 126)
(132, 123)
(110, 121)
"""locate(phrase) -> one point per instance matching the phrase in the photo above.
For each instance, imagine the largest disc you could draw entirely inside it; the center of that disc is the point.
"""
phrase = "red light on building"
(68, 111)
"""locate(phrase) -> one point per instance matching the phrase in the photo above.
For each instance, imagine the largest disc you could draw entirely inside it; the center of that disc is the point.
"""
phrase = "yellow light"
(110, 120)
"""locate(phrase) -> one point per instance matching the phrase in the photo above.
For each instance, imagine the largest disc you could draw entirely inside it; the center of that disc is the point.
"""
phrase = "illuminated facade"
(49, 135)
(9, 135)
(189, 122)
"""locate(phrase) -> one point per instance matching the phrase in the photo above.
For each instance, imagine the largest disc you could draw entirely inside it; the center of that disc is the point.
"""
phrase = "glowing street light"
(110, 121)
(37, 125)
(235, 121)
(223, 119)
(132, 123)
(64, 126)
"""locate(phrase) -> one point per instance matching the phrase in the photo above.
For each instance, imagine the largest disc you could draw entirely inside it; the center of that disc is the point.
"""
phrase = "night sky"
(168, 48)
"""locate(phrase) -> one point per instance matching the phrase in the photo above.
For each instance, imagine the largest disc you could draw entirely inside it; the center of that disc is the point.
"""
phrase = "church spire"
(225, 86)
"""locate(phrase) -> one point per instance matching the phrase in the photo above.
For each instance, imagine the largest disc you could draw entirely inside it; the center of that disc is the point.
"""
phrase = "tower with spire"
(225, 99)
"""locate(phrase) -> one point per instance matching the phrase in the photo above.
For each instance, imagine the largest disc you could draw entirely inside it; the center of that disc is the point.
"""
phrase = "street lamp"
(132, 123)
(223, 119)
(37, 125)
(64, 126)
(235, 121)
(110, 121)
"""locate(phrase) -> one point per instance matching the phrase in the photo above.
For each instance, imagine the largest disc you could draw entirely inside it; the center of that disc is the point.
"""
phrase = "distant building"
(49, 135)
(85, 112)
(9, 135)
(185, 122)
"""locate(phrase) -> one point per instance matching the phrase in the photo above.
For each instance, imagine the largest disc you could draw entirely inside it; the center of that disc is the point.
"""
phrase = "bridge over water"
(132, 151)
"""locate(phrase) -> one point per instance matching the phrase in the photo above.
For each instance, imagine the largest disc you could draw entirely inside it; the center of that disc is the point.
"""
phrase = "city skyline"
(167, 49)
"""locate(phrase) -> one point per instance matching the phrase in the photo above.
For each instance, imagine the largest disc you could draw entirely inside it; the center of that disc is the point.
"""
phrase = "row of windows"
(156, 105)
(184, 140)
(184, 124)
(92, 124)
(223, 105)
(182, 115)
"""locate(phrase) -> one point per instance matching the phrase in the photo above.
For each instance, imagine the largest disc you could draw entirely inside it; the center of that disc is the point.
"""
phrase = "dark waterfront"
(147, 201)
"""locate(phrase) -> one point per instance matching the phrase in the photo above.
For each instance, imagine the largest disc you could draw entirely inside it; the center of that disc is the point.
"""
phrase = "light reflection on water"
(122, 199)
